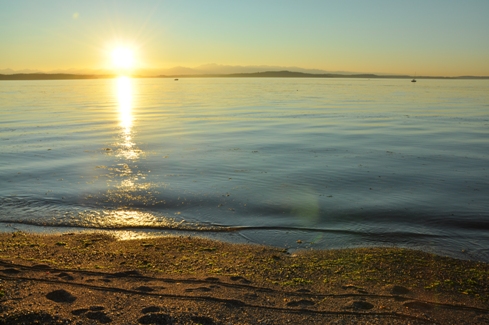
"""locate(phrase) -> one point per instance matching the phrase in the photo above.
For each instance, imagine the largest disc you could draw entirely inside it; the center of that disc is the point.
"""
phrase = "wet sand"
(94, 278)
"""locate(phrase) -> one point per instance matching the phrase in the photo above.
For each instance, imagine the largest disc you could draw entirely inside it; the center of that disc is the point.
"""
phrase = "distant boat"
(414, 80)
(176, 79)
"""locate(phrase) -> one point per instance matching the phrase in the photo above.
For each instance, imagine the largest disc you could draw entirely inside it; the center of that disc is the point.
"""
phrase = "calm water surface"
(330, 162)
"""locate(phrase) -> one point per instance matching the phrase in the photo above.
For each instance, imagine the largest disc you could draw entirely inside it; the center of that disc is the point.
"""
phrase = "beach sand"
(93, 278)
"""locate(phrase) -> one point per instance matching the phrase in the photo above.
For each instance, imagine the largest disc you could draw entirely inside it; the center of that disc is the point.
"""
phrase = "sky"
(422, 37)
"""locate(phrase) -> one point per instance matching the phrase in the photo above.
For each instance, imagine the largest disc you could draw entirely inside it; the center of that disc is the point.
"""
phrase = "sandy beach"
(93, 278)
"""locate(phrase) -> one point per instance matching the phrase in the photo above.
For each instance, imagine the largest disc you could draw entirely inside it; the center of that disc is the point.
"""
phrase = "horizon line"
(218, 69)
(263, 74)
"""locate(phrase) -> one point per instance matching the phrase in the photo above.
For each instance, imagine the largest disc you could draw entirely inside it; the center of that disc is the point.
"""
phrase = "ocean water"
(294, 163)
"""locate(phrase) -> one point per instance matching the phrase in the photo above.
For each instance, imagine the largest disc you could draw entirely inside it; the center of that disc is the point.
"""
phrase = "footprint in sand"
(250, 296)
(156, 318)
(94, 313)
(30, 318)
(240, 279)
(235, 303)
(65, 276)
(418, 305)
(61, 296)
(100, 316)
(360, 304)
(144, 289)
(353, 287)
(202, 289)
(202, 320)
(399, 290)
(300, 303)
(78, 312)
(151, 309)
(126, 274)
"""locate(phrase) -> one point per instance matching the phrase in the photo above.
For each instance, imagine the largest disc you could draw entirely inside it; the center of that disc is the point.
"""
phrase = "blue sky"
(430, 37)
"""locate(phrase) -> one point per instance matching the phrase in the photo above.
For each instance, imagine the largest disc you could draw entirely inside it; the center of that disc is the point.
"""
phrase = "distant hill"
(50, 76)
(205, 69)
(265, 74)
(295, 74)
(234, 69)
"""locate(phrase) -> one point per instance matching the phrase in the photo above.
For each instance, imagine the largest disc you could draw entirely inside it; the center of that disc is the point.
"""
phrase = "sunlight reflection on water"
(124, 99)
(127, 177)
(124, 90)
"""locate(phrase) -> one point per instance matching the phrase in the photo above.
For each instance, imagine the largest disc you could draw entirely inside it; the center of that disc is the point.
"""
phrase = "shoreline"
(85, 278)
(297, 242)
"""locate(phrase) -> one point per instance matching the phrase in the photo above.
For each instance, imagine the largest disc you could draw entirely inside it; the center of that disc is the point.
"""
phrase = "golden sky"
(436, 37)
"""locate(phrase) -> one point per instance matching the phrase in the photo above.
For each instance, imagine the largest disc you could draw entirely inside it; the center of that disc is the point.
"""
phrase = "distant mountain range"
(181, 71)
(51, 76)
(217, 69)
(207, 71)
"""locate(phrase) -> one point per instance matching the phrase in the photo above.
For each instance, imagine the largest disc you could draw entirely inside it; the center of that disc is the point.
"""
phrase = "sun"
(123, 58)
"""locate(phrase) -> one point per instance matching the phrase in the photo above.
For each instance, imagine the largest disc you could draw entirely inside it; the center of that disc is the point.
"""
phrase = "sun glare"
(124, 97)
(123, 58)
